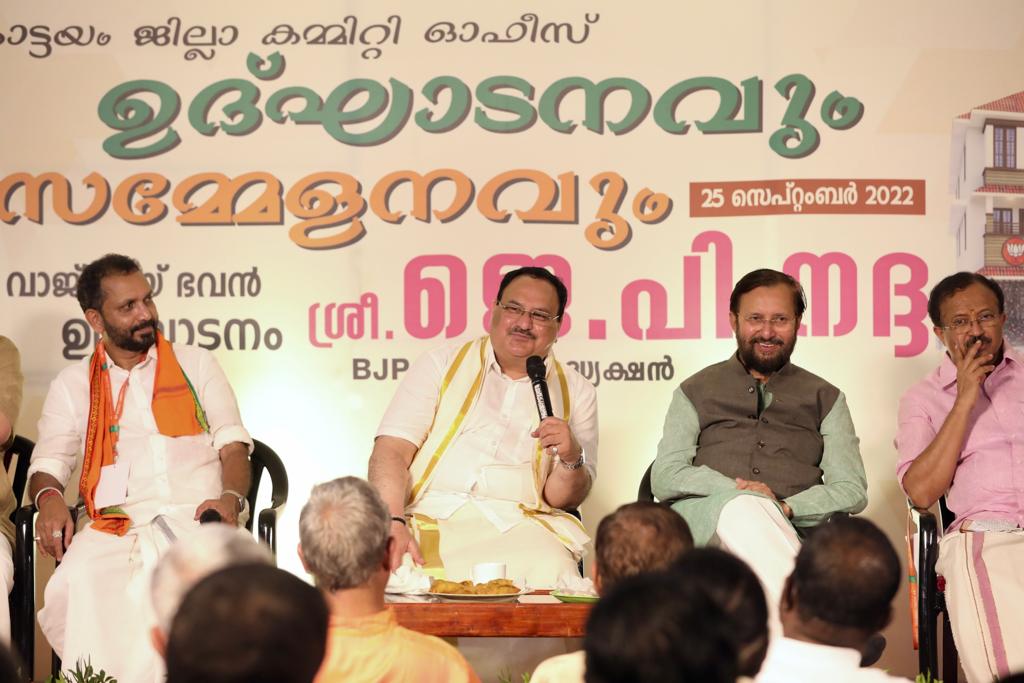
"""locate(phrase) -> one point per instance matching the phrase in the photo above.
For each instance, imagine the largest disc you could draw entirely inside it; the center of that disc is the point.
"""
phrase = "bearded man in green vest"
(755, 449)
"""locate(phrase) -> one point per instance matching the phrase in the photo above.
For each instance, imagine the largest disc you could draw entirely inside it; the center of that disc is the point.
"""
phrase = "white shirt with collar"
(165, 472)
(798, 661)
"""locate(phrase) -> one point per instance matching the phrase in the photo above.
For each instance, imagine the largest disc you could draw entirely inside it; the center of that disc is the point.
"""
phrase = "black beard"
(764, 366)
(128, 342)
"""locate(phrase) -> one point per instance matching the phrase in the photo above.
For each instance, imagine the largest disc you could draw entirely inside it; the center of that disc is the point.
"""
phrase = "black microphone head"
(210, 515)
(535, 368)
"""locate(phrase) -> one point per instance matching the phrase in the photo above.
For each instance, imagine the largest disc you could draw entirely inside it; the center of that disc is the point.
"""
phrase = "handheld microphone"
(210, 515)
(536, 370)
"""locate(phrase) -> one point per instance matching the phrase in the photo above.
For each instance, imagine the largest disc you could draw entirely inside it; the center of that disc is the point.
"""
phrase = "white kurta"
(488, 465)
(95, 605)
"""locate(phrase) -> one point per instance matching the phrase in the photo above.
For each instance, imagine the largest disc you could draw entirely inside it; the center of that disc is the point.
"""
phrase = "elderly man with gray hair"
(210, 548)
(345, 545)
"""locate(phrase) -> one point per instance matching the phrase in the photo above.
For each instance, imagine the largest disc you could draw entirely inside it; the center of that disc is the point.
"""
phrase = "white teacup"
(488, 571)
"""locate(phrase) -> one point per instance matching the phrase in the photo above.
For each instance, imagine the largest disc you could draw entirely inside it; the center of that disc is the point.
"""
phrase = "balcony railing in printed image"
(1004, 176)
(998, 227)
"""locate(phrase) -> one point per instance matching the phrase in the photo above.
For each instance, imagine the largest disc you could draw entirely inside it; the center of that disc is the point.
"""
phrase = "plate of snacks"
(497, 590)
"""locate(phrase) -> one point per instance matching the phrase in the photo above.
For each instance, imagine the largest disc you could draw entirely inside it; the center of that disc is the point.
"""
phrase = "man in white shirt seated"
(468, 471)
(161, 441)
(837, 598)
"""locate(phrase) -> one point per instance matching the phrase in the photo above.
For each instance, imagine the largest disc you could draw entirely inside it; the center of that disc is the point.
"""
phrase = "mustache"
(523, 331)
(979, 337)
(777, 341)
(141, 326)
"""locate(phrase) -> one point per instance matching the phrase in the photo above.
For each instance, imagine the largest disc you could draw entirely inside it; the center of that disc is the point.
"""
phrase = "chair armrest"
(927, 541)
(833, 516)
(929, 600)
(267, 526)
(22, 601)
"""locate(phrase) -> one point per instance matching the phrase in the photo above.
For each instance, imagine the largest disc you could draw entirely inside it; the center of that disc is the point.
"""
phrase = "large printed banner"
(319, 192)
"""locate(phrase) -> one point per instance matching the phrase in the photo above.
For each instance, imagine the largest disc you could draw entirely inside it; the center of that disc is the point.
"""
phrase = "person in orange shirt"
(345, 545)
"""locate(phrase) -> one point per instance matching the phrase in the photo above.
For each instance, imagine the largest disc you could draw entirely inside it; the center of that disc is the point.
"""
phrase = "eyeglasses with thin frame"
(516, 311)
(962, 322)
(776, 321)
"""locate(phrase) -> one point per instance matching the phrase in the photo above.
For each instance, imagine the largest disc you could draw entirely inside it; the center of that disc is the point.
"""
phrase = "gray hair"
(190, 559)
(344, 532)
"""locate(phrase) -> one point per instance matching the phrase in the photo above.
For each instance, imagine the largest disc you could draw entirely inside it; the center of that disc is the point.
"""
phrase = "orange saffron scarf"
(176, 409)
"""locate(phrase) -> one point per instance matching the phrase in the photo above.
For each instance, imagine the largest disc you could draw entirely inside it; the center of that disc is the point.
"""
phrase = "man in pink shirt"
(961, 435)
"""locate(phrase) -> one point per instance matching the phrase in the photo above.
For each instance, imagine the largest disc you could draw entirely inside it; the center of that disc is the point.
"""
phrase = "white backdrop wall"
(664, 221)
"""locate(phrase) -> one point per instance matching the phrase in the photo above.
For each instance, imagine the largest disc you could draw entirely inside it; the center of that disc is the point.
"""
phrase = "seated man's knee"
(751, 504)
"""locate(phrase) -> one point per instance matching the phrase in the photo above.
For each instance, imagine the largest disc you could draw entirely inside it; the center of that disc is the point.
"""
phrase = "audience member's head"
(652, 627)
(189, 559)
(343, 535)
(731, 585)
(248, 624)
(840, 592)
(638, 537)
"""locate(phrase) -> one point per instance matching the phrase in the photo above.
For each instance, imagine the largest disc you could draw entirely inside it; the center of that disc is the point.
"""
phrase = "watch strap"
(574, 465)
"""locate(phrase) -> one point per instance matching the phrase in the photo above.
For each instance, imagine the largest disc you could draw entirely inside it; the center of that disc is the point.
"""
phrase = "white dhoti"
(984, 593)
(97, 606)
(7, 583)
(755, 530)
(533, 556)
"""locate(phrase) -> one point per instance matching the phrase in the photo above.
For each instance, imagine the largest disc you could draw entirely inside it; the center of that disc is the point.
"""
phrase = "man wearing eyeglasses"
(961, 435)
(469, 473)
(756, 449)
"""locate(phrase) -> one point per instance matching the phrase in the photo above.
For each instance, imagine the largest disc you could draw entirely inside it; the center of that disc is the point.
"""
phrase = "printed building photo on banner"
(987, 212)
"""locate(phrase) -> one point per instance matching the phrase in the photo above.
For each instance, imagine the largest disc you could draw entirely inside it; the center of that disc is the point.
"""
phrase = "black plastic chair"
(21, 601)
(643, 492)
(575, 512)
(931, 598)
(264, 458)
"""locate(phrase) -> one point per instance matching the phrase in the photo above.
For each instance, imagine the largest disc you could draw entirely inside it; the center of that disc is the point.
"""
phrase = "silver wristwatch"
(574, 465)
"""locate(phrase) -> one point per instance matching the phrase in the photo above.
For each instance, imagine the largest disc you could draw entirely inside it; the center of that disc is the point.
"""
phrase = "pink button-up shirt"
(989, 479)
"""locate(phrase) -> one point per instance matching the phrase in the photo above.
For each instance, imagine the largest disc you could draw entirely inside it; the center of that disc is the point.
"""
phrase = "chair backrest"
(264, 458)
(22, 450)
(644, 493)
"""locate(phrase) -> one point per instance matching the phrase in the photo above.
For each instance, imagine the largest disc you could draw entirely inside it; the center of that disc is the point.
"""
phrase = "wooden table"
(501, 619)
